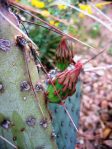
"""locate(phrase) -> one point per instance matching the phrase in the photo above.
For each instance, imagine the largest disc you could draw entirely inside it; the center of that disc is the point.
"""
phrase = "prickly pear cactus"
(24, 121)
(65, 132)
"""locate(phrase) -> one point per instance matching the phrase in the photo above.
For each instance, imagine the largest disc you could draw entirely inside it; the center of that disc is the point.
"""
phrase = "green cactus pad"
(65, 132)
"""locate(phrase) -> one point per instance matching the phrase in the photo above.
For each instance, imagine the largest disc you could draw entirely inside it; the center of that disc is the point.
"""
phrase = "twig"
(25, 29)
(85, 13)
(98, 10)
(63, 105)
(22, 34)
(29, 75)
(56, 29)
(94, 56)
(40, 61)
(36, 11)
(98, 68)
(30, 22)
(17, 28)
(4, 139)
(65, 108)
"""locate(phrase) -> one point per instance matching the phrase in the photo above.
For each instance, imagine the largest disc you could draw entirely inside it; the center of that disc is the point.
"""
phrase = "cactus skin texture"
(21, 120)
(68, 88)
(65, 132)
(63, 128)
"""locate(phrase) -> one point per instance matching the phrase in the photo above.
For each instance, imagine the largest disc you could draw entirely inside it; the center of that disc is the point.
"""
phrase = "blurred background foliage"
(60, 16)
(87, 30)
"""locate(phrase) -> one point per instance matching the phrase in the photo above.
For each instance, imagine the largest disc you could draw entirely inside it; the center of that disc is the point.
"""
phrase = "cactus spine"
(22, 122)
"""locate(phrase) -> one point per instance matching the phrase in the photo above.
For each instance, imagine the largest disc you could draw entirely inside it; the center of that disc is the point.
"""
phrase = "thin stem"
(21, 33)
(30, 22)
(94, 56)
(98, 68)
(63, 105)
(40, 61)
(26, 37)
(25, 29)
(56, 29)
(104, 15)
(17, 28)
(57, 91)
(85, 13)
(65, 108)
(29, 75)
(36, 11)
(4, 139)
(104, 49)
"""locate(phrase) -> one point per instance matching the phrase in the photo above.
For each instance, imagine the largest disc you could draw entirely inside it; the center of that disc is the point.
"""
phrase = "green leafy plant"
(95, 30)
